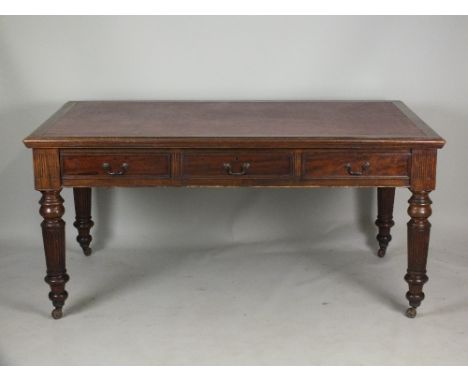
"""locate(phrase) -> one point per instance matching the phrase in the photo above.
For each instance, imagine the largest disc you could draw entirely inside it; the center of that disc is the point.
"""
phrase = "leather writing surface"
(233, 119)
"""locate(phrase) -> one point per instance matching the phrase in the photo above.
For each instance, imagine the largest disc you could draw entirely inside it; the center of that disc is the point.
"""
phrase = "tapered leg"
(83, 220)
(53, 233)
(385, 199)
(418, 244)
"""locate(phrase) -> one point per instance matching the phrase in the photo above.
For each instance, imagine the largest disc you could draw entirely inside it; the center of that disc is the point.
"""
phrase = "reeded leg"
(418, 244)
(53, 233)
(83, 220)
(385, 199)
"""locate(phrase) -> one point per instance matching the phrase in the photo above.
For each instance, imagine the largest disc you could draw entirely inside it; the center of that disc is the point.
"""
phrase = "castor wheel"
(381, 252)
(87, 251)
(411, 312)
(57, 313)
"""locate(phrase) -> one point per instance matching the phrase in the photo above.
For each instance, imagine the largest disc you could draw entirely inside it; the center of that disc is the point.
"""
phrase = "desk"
(244, 144)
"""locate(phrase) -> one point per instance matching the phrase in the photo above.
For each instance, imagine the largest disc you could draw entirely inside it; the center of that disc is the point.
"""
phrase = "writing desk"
(247, 144)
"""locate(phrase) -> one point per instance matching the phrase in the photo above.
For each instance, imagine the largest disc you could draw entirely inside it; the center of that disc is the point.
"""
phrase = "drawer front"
(231, 164)
(341, 164)
(118, 164)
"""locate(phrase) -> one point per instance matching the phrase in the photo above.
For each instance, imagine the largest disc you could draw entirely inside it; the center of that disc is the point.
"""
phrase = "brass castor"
(57, 313)
(411, 312)
(381, 252)
(87, 251)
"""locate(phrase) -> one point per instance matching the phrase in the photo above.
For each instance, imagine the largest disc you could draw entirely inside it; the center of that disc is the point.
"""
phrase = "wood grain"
(89, 163)
(297, 124)
(385, 200)
(234, 144)
(46, 169)
(332, 164)
(423, 169)
(53, 233)
(83, 222)
(272, 164)
(419, 229)
(274, 167)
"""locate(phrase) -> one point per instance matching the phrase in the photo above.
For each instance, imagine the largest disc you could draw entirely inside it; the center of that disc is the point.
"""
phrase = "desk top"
(234, 124)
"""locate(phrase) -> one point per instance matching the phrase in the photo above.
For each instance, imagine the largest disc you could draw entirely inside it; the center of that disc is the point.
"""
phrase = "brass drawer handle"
(244, 168)
(364, 169)
(108, 169)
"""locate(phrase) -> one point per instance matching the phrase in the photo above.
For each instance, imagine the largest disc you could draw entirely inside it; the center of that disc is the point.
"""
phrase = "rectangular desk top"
(234, 144)
(234, 124)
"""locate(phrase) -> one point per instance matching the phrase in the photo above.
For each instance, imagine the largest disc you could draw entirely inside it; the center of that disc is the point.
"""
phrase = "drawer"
(115, 164)
(237, 164)
(335, 164)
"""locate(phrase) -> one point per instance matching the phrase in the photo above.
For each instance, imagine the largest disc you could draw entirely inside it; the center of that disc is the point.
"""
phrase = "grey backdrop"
(46, 61)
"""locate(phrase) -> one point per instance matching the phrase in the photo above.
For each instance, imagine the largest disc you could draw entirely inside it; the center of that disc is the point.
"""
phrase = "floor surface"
(331, 302)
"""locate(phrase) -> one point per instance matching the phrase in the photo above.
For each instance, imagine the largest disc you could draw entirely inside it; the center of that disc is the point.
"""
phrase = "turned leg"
(53, 233)
(83, 220)
(385, 199)
(418, 244)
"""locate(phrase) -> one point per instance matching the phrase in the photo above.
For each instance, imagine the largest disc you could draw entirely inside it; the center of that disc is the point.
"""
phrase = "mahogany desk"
(274, 144)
